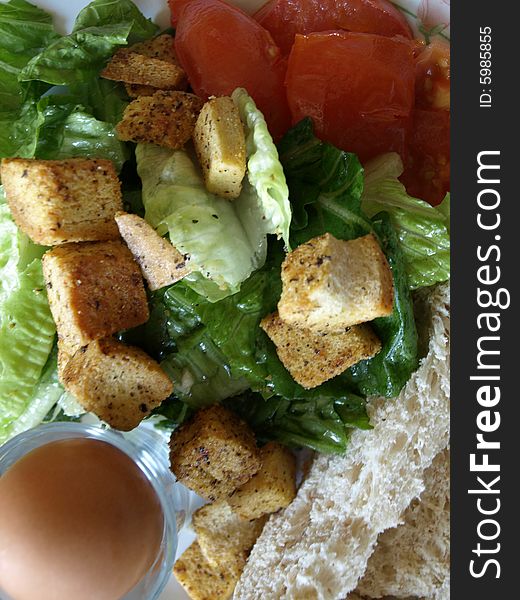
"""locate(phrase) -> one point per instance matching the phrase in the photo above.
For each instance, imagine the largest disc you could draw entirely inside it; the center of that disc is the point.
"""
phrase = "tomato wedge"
(427, 172)
(285, 18)
(357, 87)
(221, 48)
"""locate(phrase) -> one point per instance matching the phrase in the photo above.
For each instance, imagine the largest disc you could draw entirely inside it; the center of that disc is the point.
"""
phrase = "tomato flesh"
(427, 164)
(221, 48)
(285, 18)
(432, 89)
(357, 87)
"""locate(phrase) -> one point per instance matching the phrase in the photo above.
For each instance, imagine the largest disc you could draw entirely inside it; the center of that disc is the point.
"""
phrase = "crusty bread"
(273, 487)
(220, 144)
(312, 358)
(331, 284)
(214, 453)
(95, 289)
(413, 559)
(161, 263)
(118, 383)
(58, 201)
(166, 119)
(202, 581)
(224, 538)
(151, 63)
(319, 546)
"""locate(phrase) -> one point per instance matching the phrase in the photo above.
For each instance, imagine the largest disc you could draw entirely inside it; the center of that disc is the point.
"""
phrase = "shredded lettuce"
(422, 229)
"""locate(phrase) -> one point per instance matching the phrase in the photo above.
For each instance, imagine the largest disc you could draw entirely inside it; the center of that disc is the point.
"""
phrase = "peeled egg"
(78, 520)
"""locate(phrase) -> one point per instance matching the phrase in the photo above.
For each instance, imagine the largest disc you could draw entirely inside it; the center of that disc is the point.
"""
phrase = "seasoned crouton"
(200, 580)
(220, 145)
(134, 90)
(58, 201)
(95, 289)
(65, 352)
(161, 264)
(214, 453)
(272, 488)
(166, 119)
(151, 63)
(223, 537)
(312, 358)
(118, 383)
(330, 284)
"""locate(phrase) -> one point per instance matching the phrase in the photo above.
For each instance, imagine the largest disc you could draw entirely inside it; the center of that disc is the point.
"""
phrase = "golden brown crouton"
(223, 537)
(134, 90)
(118, 383)
(214, 453)
(65, 352)
(312, 358)
(220, 145)
(200, 580)
(272, 488)
(58, 201)
(151, 63)
(161, 264)
(95, 289)
(166, 119)
(331, 284)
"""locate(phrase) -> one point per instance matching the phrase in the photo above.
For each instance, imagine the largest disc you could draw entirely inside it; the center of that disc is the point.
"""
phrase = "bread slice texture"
(313, 358)
(220, 144)
(330, 284)
(319, 546)
(161, 264)
(118, 383)
(59, 201)
(224, 538)
(200, 580)
(166, 119)
(94, 289)
(413, 559)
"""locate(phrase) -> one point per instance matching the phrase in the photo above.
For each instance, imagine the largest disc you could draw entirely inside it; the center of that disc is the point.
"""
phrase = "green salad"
(204, 330)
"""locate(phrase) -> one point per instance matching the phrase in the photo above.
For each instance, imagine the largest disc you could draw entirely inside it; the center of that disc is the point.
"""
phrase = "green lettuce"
(25, 30)
(422, 229)
(264, 171)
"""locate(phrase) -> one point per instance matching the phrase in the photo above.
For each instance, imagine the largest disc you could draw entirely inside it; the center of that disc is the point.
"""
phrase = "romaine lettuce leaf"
(68, 131)
(264, 171)
(321, 423)
(422, 229)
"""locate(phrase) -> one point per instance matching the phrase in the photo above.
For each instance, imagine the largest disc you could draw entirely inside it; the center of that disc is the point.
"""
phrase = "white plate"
(432, 12)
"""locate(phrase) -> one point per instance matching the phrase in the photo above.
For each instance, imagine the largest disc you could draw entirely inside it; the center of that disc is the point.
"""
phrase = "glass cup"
(149, 452)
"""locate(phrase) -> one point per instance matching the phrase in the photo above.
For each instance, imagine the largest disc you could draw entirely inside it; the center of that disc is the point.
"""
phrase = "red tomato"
(221, 48)
(357, 87)
(285, 18)
(432, 90)
(427, 172)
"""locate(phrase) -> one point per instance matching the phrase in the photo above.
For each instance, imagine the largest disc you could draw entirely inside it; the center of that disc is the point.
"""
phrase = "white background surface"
(65, 12)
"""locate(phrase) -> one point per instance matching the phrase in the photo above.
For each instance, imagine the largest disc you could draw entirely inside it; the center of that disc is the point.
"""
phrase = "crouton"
(95, 289)
(313, 358)
(223, 537)
(134, 90)
(58, 201)
(151, 63)
(330, 284)
(269, 490)
(161, 264)
(65, 352)
(214, 453)
(220, 145)
(200, 580)
(118, 383)
(166, 119)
